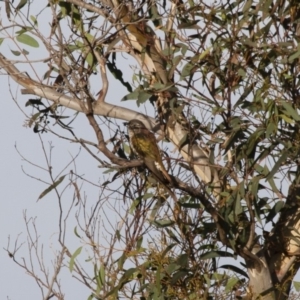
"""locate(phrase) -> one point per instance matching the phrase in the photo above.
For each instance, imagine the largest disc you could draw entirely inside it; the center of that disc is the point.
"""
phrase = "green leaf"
(91, 297)
(154, 15)
(191, 205)
(183, 47)
(296, 285)
(231, 283)
(234, 269)
(1, 41)
(163, 223)
(131, 96)
(290, 110)
(274, 211)
(34, 20)
(278, 164)
(101, 276)
(127, 276)
(238, 209)
(168, 249)
(183, 260)
(214, 254)
(245, 94)
(51, 187)
(23, 30)
(139, 242)
(294, 56)
(76, 233)
(287, 119)
(20, 5)
(143, 97)
(172, 267)
(121, 260)
(187, 69)
(90, 60)
(178, 275)
(66, 8)
(73, 257)
(271, 129)
(188, 24)
(247, 6)
(27, 40)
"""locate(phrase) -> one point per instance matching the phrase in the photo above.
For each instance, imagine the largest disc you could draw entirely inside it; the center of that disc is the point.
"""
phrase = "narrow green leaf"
(154, 15)
(172, 267)
(131, 96)
(247, 6)
(296, 285)
(287, 119)
(7, 9)
(73, 257)
(20, 5)
(245, 94)
(51, 187)
(168, 249)
(102, 275)
(1, 41)
(34, 20)
(143, 97)
(290, 110)
(90, 60)
(163, 223)
(189, 24)
(127, 276)
(214, 254)
(235, 269)
(183, 260)
(187, 69)
(183, 47)
(278, 164)
(191, 205)
(271, 129)
(121, 260)
(139, 242)
(178, 275)
(238, 209)
(274, 211)
(76, 233)
(16, 53)
(27, 40)
(294, 56)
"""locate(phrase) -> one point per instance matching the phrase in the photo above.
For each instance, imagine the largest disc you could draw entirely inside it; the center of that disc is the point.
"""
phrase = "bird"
(144, 145)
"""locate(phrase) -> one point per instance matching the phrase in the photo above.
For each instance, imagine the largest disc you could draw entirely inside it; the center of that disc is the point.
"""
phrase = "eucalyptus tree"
(221, 84)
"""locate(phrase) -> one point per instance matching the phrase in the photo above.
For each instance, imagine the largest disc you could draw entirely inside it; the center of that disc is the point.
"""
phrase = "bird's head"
(135, 125)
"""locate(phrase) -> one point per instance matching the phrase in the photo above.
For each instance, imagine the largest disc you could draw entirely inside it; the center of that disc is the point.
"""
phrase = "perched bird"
(143, 144)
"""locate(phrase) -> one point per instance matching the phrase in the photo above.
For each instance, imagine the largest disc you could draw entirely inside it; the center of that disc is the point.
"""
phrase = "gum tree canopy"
(218, 82)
